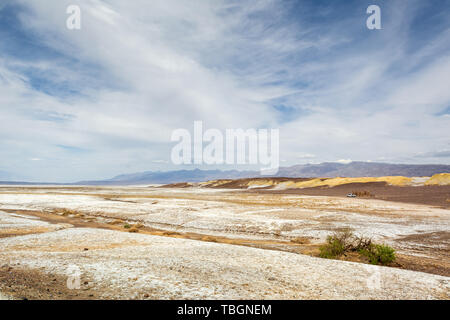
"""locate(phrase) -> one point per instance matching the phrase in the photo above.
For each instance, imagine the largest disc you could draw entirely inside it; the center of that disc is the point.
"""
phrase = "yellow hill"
(282, 183)
(332, 182)
(442, 179)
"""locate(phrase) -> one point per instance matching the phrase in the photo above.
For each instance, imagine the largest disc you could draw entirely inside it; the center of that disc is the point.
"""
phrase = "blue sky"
(103, 100)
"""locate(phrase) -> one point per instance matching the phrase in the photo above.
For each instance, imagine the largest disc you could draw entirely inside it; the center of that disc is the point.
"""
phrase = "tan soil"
(25, 283)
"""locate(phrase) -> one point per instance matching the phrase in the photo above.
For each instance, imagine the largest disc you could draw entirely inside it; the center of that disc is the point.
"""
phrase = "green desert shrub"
(379, 254)
(334, 248)
(345, 241)
(337, 244)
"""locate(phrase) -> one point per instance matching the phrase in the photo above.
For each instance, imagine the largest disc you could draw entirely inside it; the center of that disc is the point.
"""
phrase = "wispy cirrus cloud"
(138, 70)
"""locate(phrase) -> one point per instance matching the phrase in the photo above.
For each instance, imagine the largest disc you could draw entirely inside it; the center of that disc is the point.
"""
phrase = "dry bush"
(362, 194)
(300, 240)
(66, 212)
(361, 243)
(337, 244)
(287, 227)
(115, 222)
(276, 233)
(133, 229)
(345, 241)
(209, 239)
(170, 233)
(345, 237)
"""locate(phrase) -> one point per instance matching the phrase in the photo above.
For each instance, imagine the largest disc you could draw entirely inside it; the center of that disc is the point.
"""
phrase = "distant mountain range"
(324, 170)
(362, 169)
(164, 177)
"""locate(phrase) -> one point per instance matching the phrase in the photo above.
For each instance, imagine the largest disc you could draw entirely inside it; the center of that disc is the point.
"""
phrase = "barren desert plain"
(199, 241)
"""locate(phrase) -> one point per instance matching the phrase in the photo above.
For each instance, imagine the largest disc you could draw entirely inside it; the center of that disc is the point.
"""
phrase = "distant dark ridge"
(167, 177)
(322, 170)
(326, 169)
(362, 169)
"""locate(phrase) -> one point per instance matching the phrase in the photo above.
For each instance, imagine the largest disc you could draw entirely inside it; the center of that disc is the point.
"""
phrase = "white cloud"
(344, 161)
(305, 156)
(142, 69)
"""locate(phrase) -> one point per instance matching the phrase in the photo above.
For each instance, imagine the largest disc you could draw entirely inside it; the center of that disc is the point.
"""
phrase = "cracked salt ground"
(123, 264)
(379, 219)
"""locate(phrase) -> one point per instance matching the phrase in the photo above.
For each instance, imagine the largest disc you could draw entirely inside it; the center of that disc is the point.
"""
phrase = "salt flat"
(124, 265)
(114, 263)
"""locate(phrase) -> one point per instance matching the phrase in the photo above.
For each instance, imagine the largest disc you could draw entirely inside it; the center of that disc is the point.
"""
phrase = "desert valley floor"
(199, 243)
